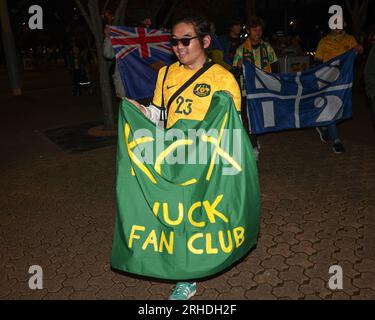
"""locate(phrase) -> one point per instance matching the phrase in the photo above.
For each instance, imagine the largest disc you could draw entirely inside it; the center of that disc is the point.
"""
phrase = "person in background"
(333, 45)
(231, 40)
(146, 22)
(216, 50)
(262, 55)
(78, 65)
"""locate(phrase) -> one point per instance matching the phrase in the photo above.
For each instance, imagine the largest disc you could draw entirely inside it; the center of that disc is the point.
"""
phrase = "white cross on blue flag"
(316, 97)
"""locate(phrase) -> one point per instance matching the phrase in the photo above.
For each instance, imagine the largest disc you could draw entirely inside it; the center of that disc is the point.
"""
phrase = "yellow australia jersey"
(334, 45)
(194, 101)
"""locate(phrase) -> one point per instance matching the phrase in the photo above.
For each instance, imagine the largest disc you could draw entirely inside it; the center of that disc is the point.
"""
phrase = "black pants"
(245, 122)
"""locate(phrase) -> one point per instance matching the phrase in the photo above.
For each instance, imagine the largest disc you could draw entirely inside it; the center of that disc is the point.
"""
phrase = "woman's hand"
(139, 106)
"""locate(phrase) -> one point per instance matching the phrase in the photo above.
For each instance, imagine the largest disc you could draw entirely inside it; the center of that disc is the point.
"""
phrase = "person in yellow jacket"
(334, 44)
(190, 39)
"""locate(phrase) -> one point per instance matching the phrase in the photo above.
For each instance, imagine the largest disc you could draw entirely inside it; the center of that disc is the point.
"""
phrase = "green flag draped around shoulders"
(187, 197)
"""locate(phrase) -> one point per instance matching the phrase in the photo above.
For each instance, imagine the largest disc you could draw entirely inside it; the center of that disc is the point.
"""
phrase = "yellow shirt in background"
(194, 101)
(334, 45)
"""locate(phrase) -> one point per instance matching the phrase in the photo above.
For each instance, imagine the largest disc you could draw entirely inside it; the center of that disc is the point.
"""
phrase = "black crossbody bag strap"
(162, 113)
(206, 66)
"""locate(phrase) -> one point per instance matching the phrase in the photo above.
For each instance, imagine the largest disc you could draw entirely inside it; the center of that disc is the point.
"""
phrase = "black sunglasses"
(185, 41)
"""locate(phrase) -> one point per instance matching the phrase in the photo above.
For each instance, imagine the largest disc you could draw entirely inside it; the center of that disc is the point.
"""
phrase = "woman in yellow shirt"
(190, 39)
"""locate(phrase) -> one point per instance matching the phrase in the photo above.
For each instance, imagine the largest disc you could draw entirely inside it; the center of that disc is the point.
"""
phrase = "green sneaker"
(183, 291)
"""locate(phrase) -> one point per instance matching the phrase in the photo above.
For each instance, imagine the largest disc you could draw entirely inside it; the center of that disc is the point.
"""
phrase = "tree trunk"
(169, 14)
(120, 13)
(106, 92)
(95, 24)
(105, 82)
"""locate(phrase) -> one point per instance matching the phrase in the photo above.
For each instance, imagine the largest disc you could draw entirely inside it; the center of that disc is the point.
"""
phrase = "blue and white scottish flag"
(312, 98)
(139, 54)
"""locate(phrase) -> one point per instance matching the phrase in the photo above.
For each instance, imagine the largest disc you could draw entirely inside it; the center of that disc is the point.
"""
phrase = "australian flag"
(315, 97)
(139, 54)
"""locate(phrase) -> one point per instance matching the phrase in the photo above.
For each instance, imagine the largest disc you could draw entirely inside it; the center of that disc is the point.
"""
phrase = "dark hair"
(254, 21)
(200, 23)
(233, 22)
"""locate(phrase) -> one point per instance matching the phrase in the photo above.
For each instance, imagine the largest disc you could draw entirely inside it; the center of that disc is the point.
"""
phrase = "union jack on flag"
(137, 51)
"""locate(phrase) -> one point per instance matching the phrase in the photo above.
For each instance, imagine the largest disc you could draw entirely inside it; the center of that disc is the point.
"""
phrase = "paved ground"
(57, 210)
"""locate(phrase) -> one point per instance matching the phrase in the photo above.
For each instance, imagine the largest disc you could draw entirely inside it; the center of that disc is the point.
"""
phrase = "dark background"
(63, 22)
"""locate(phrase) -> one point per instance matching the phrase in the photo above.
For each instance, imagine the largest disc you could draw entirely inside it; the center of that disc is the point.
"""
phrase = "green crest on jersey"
(202, 90)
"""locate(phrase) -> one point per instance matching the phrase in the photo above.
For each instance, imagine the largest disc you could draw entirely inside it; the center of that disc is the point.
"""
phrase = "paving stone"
(158, 297)
(236, 293)
(278, 220)
(96, 269)
(289, 289)
(251, 264)
(218, 283)
(162, 289)
(282, 249)
(340, 295)
(87, 294)
(275, 261)
(33, 294)
(366, 265)
(366, 252)
(287, 237)
(87, 259)
(348, 232)
(308, 235)
(114, 293)
(352, 221)
(262, 292)
(267, 240)
(349, 288)
(323, 256)
(365, 294)
(141, 291)
(294, 273)
(325, 244)
(366, 281)
(54, 284)
(312, 297)
(73, 270)
(316, 286)
(78, 283)
(209, 294)
(243, 279)
(271, 229)
(103, 281)
(346, 254)
(304, 247)
(62, 294)
(260, 252)
(269, 276)
(349, 269)
(299, 259)
(291, 227)
(127, 281)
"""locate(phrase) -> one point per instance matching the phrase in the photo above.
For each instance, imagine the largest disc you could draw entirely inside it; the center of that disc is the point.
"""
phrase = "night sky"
(61, 20)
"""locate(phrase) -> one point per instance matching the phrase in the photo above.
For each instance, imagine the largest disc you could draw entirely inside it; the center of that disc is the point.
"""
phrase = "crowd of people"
(240, 43)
